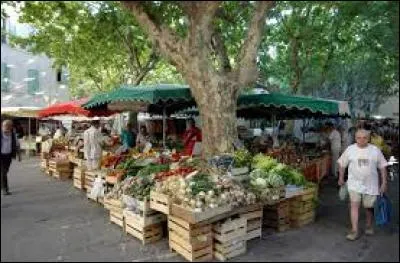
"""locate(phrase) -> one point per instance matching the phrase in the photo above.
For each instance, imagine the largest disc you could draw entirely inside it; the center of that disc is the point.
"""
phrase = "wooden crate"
(136, 226)
(79, 177)
(302, 220)
(60, 165)
(62, 175)
(113, 204)
(224, 252)
(192, 241)
(196, 217)
(44, 164)
(117, 217)
(277, 216)
(160, 202)
(301, 207)
(254, 223)
(230, 238)
(142, 207)
(143, 220)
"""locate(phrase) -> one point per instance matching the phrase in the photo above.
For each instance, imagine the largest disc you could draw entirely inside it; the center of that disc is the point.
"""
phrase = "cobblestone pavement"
(48, 220)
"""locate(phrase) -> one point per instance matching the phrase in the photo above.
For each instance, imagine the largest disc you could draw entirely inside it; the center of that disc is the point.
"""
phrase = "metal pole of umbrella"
(29, 136)
(164, 125)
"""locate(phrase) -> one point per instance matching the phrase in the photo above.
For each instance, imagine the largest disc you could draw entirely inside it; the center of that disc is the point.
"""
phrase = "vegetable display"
(200, 192)
(242, 158)
(138, 187)
(183, 171)
(153, 169)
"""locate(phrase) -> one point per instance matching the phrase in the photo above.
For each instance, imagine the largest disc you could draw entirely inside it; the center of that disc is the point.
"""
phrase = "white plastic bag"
(343, 192)
(98, 188)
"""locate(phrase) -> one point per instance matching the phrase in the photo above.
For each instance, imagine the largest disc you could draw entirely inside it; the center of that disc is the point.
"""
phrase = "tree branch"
(220, 49)
(169, 43)
(151, 62)
(246, 70)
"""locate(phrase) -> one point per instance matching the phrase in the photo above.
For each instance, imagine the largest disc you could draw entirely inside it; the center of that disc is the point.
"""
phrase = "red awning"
(72, 108)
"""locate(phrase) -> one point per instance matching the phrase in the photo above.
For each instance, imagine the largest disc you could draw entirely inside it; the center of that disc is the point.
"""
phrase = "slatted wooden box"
(79, 177)
(230, 238)
(254, 219)
(192, 241)
(147, 228)
(160, 202)
(277, 216)
(195, 217)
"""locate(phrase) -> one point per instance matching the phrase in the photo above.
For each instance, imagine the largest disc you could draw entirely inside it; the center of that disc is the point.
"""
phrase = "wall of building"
(16, 71)
(19, 62)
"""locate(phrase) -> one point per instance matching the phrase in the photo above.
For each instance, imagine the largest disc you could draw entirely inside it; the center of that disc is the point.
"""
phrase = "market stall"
(64, 155)
(161, 99)
(211, 207)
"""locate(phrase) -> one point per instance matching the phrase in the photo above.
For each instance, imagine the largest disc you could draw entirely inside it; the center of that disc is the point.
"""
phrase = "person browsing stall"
(191, 136)
(92, 140)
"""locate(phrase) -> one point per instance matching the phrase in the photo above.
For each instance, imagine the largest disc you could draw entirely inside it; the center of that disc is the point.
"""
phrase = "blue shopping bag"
(383, 210)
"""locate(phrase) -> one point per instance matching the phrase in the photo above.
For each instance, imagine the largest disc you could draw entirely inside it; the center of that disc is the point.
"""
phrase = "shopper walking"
(363, 160)
(92, 140)
(9, 150)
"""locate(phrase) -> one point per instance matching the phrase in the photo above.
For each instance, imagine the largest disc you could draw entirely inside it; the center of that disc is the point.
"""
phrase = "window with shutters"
(5, 77)
(33, 81)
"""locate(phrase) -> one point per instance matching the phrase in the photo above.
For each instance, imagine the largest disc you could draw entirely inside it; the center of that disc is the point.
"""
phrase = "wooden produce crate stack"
(302, 208)
(60, 169)
(277, 216)
(146, 225)
(254, 217)
(192, 241)
(230, 238)
(116, 208)
(44, 164)
(79, 177)
(90, 176)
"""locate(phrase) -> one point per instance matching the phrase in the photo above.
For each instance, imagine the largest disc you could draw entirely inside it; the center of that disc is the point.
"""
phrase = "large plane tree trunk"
(217, 107)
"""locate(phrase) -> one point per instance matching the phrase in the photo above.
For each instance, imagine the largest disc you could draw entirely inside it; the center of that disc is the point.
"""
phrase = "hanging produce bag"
(343, 192)
(383, 210)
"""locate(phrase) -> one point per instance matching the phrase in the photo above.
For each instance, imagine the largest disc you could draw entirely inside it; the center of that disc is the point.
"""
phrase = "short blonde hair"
(363, 131)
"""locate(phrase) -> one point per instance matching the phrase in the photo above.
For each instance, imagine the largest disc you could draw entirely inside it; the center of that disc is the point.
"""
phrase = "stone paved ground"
(49, 220)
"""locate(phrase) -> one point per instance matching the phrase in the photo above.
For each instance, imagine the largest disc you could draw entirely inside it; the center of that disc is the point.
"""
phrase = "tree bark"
(218, 116)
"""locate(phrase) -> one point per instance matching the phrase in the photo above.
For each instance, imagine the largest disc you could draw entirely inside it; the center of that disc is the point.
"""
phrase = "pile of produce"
(130, 166)
(200, 191)
(271, 166)
(242, 158)
(111, 160)
(153, 169)
(182, 171)
(116, 175)
(138, 187)
(116, 192)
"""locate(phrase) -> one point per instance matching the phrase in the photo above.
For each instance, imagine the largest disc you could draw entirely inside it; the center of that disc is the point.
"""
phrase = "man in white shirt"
(335, 142)
(364, 160)
(92, 140)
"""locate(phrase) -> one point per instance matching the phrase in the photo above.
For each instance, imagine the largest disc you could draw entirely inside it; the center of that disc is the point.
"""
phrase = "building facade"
(28, 80)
